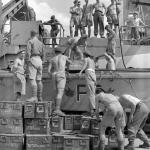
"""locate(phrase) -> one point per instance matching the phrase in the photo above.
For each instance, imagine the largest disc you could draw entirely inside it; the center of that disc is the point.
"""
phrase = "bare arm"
(29, 48)
(49, 67)
(84, 66)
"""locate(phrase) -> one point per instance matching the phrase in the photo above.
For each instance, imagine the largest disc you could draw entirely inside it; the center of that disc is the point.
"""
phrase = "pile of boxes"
(31, 126)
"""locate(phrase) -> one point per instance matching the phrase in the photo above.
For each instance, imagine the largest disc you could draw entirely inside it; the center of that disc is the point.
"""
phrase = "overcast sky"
(60, 8)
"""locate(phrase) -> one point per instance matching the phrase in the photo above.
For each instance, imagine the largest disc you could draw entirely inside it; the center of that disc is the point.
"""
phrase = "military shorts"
(87, 20)
(59, 79)
(74, 21)
(35, 68)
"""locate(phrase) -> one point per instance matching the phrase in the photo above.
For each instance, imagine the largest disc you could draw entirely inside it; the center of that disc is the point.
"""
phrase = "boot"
(34, 92)
(130, 146)
(57, 110)
(39, 91)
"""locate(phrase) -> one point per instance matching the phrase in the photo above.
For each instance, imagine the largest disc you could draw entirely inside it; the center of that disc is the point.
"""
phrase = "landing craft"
(133, 68)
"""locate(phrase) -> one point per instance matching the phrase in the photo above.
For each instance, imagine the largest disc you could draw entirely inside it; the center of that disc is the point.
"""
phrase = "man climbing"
(114, 114)
(53, 22)
(19, 70)
(57, 67)
(99, 18)
(137, 119)
(90, 76)
(35, 56)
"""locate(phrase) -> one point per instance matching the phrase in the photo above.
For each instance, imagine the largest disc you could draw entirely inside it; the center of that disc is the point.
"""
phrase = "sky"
(60, 8)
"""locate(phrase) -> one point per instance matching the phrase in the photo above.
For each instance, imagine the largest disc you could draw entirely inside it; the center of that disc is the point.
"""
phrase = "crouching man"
(137, 119)
(114, 113)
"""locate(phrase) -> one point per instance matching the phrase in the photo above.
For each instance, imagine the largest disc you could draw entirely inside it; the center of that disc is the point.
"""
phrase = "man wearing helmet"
(53, 22)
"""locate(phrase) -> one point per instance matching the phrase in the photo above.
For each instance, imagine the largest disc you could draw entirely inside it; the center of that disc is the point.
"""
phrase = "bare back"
(90, 63)
(59, 63)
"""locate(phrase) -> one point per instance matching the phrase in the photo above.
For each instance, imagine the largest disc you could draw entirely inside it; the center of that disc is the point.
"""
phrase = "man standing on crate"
(19, 70)
(137, 119)
(114, 113)
(57, 67)
(53, 22)
(35, 55)
(90, 76)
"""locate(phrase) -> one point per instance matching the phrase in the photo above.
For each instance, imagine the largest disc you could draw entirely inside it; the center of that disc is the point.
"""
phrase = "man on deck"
(53, 22)
(137, 119)
(35, 55)
(57, 67)
(89, 68)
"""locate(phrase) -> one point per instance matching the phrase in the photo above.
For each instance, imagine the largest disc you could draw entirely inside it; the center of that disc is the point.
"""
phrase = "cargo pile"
(31, 126)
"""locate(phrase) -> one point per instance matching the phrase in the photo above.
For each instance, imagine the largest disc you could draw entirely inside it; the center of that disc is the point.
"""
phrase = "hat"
(58, 49)
(79, 2)
(75, 1)
(107, 26)
(53, 17)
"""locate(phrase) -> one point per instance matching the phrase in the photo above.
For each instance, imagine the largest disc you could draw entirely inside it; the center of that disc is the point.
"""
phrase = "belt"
(35, 55)
(90, 70)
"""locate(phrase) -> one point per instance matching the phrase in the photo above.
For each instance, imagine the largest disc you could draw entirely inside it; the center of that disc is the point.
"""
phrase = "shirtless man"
(114, 114)
(73, 43)
(57, 67)
(90, 76)
(137, 119)
(18, 70)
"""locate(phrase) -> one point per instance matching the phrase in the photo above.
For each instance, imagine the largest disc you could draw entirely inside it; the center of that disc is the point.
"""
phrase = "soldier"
(112, 15)
(87, 19)
(114, 114)
(19, 71)
(73, 43)
(137, 119)
(99, 18)
(78, 27)
(89, 67)
(74, 21)
(111, 36)
(53, 22)
(58, 64)
(35, 53)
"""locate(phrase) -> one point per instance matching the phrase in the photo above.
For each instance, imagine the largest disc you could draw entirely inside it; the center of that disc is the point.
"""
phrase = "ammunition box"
(11, 125)
(10, 109)
(95, 126)
(56, 124)
(77, 122)
(85, 125)
(58, 142)
(68, 122)
(11, 142)
(37, 110)
(38, 142)
(29, 110)
(76, 143)
(37, 126)
(94, 143)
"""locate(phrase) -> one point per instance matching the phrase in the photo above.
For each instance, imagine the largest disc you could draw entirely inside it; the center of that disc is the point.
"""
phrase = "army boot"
(121, 145)
(130, 146)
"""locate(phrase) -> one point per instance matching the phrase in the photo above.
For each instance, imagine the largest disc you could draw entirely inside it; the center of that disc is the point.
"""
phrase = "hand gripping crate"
(37, 126)
(37, 110)
(11, 125)
(11, 109)
(11, 142)
(38, 142)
